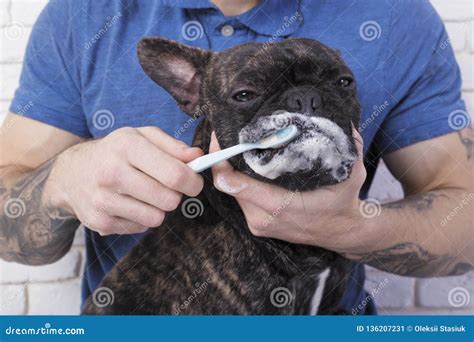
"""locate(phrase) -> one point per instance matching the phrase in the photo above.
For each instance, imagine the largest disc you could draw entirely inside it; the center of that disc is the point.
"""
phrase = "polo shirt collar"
(269, 17)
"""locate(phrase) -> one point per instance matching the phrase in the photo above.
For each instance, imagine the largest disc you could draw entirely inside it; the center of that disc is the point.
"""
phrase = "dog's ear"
(176, 67)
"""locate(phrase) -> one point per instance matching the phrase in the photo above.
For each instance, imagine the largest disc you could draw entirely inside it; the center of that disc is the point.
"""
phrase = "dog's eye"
(344, 81)
(244, 96)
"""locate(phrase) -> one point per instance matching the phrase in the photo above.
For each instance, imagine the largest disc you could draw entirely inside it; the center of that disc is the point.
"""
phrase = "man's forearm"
(31, 231)
(424, 235)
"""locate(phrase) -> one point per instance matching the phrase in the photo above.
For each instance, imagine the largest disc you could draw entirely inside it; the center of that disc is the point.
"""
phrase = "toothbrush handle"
(205, 162)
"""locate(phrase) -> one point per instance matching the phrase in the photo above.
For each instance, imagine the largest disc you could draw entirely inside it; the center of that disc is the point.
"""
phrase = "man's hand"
(407, 237)
(124, 182)
(322, 217)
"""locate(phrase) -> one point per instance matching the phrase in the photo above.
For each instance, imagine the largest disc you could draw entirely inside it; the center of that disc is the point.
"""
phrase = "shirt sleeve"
(50, 87)
(422, 78)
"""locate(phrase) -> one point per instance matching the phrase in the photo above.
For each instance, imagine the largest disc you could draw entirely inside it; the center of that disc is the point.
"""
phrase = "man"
(81, 80)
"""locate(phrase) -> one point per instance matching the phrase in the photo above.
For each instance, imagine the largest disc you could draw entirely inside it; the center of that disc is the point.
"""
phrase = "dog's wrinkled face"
(249, 91)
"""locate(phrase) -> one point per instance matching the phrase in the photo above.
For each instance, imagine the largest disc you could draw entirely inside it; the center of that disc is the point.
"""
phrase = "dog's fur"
(212, 264)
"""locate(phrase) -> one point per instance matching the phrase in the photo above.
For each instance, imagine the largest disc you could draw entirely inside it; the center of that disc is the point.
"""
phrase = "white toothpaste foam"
(321, 139)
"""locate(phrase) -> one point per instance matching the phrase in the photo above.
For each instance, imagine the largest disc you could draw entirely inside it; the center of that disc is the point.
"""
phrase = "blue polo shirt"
(81, 74)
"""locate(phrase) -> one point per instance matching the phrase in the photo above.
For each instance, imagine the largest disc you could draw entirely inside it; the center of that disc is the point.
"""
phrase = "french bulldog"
(208, 262)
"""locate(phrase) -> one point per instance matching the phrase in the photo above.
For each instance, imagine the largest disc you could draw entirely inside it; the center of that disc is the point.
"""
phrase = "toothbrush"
(279, 138)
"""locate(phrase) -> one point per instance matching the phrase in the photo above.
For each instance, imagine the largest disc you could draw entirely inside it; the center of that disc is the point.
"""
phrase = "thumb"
(226, 179)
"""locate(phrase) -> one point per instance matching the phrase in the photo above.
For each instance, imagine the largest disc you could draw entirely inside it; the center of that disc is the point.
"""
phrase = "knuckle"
(110, 176)
(105, 223)
(177, 178)
(119, 140)
(123, 132)
(98, 205)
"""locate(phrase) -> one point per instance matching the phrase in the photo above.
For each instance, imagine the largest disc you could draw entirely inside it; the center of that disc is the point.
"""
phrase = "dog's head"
(249, 91)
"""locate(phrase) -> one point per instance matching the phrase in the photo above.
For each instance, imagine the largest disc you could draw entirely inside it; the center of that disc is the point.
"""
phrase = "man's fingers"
(136, 211)
(170, 145)
(121, 226)
(146, 189)
(169, 171)
(243, 187)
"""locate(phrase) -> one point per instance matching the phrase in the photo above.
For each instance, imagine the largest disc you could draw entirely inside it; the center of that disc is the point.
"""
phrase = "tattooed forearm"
(30, 231)
(410, 259)
(420, 202)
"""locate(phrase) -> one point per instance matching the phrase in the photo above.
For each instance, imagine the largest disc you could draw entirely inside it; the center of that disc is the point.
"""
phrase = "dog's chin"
(322, 154)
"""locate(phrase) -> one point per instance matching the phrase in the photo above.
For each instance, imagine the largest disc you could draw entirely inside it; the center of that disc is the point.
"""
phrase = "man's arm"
(430, 231)
(32, 231)
(408, 237)
(120, 184)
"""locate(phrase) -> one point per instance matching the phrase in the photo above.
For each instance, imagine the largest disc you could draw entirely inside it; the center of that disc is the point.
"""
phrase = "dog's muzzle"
(322, 146)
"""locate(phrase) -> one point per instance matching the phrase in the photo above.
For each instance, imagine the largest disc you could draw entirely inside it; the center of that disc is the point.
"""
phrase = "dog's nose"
(303, 100)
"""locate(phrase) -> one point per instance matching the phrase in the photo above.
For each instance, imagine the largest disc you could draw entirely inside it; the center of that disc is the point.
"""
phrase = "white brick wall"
(55, 289)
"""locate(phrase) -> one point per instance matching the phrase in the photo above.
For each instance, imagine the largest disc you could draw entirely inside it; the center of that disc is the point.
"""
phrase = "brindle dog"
(211, 263)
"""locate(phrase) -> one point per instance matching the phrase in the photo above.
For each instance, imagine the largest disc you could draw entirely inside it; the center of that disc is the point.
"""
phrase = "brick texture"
(55, 288)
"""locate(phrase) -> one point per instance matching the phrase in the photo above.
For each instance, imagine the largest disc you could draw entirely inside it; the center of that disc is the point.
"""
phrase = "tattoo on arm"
(420, 202)
(467, 139)
(410, 259)
(31, 232)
